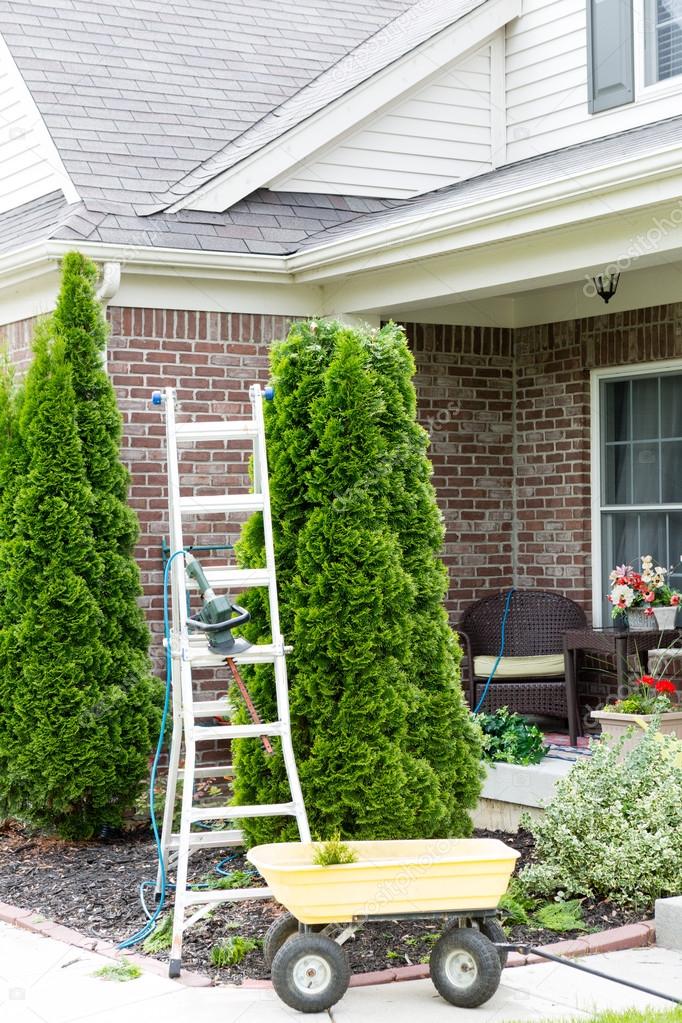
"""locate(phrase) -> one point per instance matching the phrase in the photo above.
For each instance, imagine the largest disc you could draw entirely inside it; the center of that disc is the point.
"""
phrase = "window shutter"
(610, 55)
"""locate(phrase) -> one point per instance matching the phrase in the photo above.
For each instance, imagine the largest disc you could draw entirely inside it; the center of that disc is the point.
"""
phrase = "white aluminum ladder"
(189, 651)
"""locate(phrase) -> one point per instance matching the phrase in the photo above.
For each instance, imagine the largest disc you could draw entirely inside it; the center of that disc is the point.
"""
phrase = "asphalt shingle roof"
(138, 93)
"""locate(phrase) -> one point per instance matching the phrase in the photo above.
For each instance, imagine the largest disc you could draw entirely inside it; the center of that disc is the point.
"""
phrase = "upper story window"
(663, 39)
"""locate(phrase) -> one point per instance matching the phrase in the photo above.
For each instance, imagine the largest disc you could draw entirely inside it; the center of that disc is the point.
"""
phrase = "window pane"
(663, 34)
(617, 410)
(617, 484)
(645, 473)
(671, 406)
(645, 404)
(671, 468)
(653, 536)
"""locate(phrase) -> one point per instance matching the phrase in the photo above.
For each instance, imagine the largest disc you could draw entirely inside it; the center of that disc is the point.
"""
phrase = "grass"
(120, 972)
(232, 950)
(161, 937)
(235, 879)
(631, 1016)
(330, 853)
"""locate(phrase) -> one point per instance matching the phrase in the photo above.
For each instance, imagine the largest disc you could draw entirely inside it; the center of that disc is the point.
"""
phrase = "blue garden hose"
(145, 931)
(499, 656)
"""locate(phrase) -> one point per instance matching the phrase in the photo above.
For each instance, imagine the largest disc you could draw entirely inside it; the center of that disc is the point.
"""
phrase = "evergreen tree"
(383, 738)
(78, 705)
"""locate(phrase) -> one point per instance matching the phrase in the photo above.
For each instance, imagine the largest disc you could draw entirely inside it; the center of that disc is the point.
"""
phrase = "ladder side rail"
(177, 577)
(281, 681)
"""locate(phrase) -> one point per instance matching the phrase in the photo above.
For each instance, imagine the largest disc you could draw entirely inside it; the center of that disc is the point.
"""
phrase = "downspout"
(108, 287)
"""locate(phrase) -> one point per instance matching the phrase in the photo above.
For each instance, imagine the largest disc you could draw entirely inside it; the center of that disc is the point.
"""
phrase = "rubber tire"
(291, 952)
(279, 931)
(494, 932)
(484, 954)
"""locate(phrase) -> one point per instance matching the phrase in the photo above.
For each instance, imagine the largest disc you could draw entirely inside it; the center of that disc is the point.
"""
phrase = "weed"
(560, 916)
(161, 937)
(232, 950)
(120, 972)
(516, 905)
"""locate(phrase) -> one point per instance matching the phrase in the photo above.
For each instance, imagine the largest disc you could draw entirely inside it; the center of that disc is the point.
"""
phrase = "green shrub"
(614, 827)
(560, 916)
(78, 705)
(510, 738)
(384, 742)
(333, 852)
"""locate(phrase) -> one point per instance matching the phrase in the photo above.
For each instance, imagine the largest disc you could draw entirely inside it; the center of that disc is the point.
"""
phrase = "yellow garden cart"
(459, 880)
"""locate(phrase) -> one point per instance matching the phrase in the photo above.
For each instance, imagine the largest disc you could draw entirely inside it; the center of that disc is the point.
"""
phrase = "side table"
(621, 642)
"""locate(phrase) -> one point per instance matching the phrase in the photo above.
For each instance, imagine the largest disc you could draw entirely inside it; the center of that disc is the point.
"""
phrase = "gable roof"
(137, 93)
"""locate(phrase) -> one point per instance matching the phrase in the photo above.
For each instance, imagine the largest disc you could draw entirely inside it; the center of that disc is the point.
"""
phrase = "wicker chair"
(536, 624)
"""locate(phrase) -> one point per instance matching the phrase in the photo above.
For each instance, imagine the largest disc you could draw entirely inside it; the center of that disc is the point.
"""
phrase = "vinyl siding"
(29, 167)
(439, 134)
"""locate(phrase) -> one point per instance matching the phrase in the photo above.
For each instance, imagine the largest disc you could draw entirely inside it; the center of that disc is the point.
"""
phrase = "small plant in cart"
(333, 852)
(648, 695)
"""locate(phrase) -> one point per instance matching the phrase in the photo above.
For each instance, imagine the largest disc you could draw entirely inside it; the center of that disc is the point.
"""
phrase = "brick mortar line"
(615, 939)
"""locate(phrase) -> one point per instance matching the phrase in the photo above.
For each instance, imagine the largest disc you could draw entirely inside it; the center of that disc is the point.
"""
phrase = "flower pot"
(665, 617)
(615, 726)
(640, 621)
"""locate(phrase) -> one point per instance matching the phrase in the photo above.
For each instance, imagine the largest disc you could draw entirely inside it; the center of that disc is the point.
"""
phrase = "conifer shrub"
(78, 705)
(384, 742)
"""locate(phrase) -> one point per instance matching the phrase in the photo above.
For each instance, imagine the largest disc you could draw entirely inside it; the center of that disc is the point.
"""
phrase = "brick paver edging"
(614, 940)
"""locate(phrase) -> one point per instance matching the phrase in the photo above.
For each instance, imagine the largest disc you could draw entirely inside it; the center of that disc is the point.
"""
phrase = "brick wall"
(465, 393)
(552, 444)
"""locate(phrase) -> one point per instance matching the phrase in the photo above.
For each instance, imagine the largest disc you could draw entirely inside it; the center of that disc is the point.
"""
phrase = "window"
(640, 486)
(663, 39)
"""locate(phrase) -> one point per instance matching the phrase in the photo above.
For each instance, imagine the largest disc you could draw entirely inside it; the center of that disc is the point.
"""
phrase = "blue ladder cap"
(156, 397)
(269, 393)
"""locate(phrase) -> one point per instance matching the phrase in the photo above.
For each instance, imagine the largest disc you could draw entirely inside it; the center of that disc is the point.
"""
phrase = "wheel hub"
(461, 969)
(312, 974)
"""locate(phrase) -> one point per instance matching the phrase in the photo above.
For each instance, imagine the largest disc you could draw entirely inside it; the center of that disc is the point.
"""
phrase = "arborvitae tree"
(384, 742)
(78, 706)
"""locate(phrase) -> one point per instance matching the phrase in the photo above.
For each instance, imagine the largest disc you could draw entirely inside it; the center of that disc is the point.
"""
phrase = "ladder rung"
(234, 813)
(236, 430)
(211, 708)
(204, 504)
(219, 771)
(236, 731)
(210, 839)
(259, 653)
(233, 578)
(226, 895)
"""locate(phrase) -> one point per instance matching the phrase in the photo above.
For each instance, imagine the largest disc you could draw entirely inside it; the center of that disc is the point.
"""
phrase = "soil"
(93, 887)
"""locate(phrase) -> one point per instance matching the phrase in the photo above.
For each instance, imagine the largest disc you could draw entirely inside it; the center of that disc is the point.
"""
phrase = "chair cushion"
(540, 666)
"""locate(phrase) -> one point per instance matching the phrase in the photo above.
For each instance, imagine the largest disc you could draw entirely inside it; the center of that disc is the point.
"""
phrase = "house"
(466, 167)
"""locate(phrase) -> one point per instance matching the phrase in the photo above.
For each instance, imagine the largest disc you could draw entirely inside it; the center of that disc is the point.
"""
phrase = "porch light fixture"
(606, 285)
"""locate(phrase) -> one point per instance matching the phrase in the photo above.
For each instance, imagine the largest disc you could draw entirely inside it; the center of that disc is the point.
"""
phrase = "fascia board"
(344, 113)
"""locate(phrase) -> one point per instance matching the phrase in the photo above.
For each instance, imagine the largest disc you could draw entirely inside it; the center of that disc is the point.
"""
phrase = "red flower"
(664, 685)
(674, 600)
(646, 680)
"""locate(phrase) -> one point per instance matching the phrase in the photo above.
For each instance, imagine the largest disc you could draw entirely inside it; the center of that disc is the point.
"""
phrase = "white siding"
(546, 82)
(438, 134)
(29, 164)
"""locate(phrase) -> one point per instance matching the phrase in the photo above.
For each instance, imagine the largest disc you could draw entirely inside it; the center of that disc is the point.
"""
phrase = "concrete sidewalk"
(45, 981)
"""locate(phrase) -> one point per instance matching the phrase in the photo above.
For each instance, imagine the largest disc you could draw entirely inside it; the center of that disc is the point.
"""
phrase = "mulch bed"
(93, 887)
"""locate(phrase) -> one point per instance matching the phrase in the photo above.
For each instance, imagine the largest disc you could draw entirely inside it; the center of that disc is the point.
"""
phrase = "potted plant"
(648, 699)
(643, 600)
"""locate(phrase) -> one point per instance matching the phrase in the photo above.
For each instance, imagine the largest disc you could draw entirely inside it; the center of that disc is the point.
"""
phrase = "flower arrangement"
(646, 589)
(648, 695)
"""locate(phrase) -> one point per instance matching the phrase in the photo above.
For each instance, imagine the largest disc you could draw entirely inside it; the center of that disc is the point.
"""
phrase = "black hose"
(528, 949)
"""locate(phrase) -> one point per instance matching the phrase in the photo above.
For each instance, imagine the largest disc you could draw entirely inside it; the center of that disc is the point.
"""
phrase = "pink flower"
(674, 600)
(650, 596)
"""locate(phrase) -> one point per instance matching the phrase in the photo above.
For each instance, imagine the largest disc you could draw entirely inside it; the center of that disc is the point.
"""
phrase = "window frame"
(653, 90)
(597, 376)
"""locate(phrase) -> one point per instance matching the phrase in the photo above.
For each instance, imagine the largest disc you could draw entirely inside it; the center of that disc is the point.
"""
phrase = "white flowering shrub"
(614, 827)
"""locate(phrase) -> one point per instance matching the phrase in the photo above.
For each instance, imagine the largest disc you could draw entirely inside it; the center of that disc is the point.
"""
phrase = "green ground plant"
(510, 738)
(119, 972)
(560, 916)
(614, 827)
(232, 950)
(78, 706)
(384, 742)
(161, 937)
